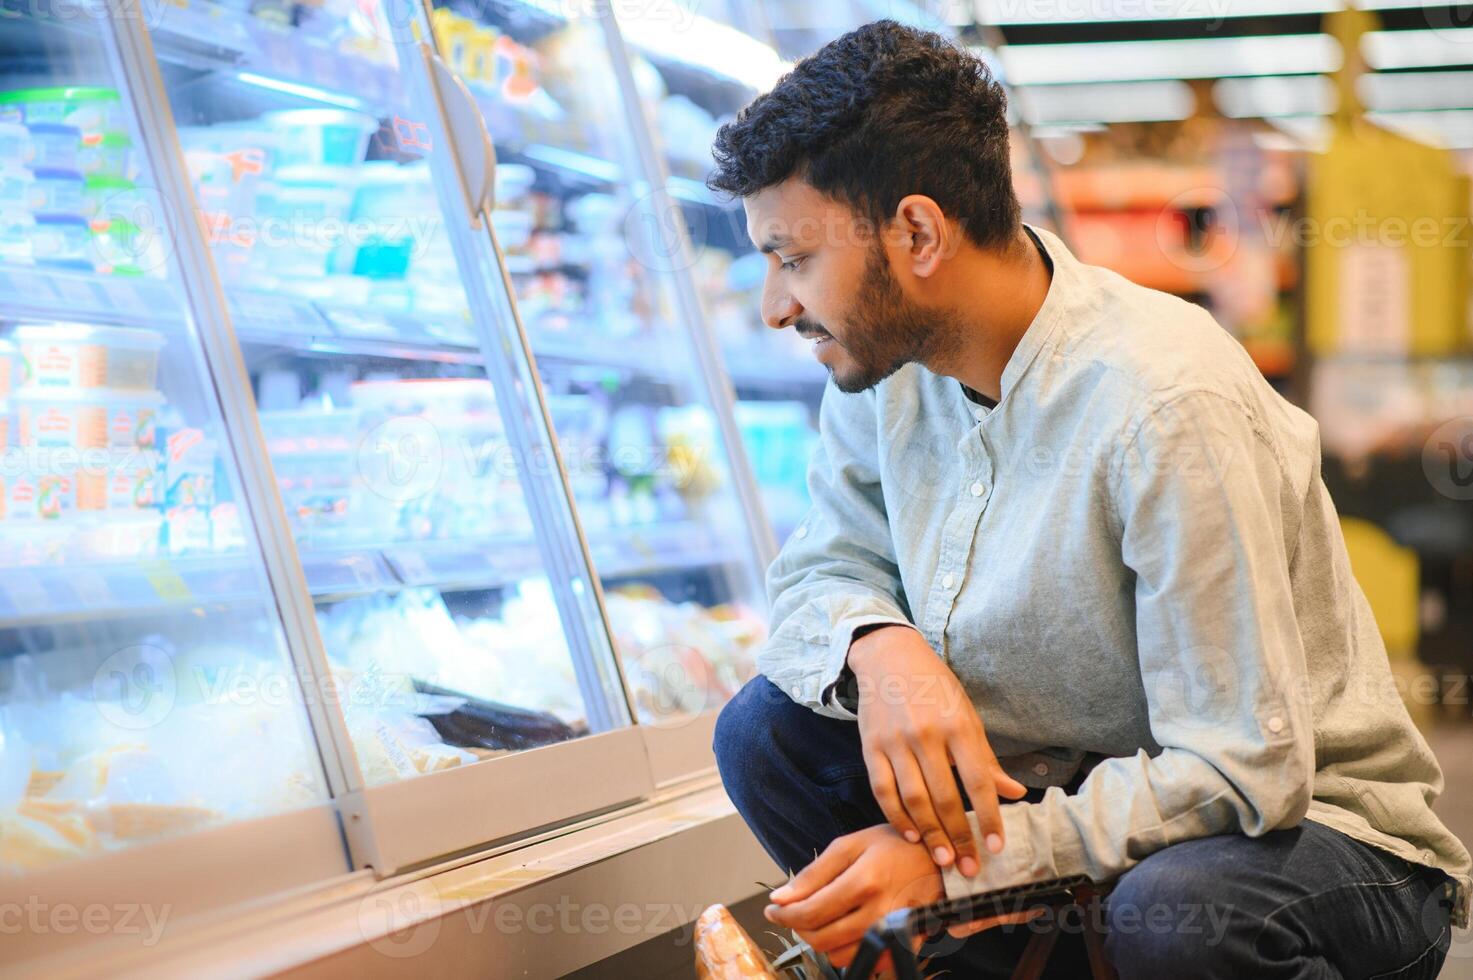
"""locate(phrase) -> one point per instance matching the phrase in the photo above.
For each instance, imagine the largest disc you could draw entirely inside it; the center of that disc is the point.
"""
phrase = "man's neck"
(1000, 294)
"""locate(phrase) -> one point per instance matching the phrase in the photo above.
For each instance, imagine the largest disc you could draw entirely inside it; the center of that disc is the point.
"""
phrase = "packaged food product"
(186, 531)
(78, 355)
(89, 109)
(15, 188)
(15, 145)
(61, 418)
(189, 471)
(321, 136)
(57, 191)
(106, 155)
(132, 418)
(17, 228)
(117, 535)
(63, 240)
(133, 479)
(8, 362)
(109, 198)
(54, 146)
(724, 951)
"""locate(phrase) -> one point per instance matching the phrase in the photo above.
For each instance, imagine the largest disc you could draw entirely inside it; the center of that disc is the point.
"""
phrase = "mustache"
(809, 330)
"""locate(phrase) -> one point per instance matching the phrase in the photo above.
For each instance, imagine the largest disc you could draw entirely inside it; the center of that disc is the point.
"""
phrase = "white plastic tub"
(86, 418)
(77, 355)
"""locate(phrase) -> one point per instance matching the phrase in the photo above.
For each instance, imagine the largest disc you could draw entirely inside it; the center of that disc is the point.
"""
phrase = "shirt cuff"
(840, 640)
(1020, 862)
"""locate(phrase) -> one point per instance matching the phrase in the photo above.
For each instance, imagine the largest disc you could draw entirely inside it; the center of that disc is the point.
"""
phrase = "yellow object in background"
(1388, 247)
(1387, 235)
(1389, 576)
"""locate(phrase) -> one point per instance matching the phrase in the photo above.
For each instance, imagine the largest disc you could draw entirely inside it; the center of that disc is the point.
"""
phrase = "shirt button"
(1041, 768)
(978, 489)
(948, 581)
(1276, 724)
(802, 532)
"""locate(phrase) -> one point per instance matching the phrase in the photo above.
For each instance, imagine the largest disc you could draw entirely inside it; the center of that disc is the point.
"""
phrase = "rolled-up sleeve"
(1207, 517)
(837, 571)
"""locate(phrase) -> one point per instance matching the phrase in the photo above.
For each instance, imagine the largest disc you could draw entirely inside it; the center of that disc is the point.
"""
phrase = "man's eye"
(792, 264)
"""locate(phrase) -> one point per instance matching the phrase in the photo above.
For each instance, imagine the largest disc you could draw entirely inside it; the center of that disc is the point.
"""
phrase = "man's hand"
(915, 723)
(854, 883)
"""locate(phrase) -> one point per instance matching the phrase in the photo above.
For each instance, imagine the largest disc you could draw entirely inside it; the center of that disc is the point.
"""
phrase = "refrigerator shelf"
(46, 595)
(465, 566)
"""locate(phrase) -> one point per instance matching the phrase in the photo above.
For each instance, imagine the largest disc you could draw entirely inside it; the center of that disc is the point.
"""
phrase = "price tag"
(91, 588)
(166, 581)
(25, 591)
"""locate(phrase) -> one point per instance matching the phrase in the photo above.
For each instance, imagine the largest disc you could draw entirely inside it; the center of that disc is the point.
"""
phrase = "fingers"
(882, 784)
(833, 862)
(847, 930)
(976, 775)
(947, 801)
(915, 796)
(1006, 785)
(834, 901)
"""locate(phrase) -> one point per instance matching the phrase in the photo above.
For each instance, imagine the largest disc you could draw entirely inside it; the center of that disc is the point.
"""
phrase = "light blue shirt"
(1133, 566)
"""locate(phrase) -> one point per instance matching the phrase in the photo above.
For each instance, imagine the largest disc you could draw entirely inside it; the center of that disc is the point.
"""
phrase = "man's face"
(829, 277)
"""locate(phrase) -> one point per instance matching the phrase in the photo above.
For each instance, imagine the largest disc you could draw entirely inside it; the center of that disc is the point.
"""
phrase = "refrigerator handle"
(474, 154)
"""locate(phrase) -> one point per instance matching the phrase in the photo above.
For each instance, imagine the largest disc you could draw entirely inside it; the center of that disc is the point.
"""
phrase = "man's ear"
(923, 232)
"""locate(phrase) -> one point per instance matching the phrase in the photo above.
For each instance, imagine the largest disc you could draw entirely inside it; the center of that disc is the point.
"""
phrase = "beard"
(887, 331)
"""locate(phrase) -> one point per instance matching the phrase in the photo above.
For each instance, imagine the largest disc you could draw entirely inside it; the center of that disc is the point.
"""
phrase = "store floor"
(671, 957)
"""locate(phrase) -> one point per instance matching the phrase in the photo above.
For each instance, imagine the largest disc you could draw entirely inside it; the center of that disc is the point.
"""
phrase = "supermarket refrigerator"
(372, 491)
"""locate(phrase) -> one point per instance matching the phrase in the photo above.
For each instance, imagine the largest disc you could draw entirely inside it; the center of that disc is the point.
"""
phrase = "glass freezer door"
(146, 689)
(450, 634)
(659, 489)
(699, 76)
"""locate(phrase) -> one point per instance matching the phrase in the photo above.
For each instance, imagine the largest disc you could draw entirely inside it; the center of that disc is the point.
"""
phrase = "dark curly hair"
(882, 112)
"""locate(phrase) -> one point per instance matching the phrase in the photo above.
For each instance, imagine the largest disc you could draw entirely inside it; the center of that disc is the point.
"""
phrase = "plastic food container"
(133, 479)
(17, 228)
(109, 155)
(317, 136)
(63, 239)
(54, 146)
(15, 188)
(64, 418)
(77, 355)
(16, 149)
(90, 109)
(118, 247)
(57, 192)
(132, 418)
(105, 198)
(9, 358)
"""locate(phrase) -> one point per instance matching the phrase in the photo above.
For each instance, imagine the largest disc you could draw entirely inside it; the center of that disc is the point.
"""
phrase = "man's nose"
(779, 311)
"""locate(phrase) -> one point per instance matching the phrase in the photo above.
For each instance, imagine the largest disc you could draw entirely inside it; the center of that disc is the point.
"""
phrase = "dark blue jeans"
(1306, 902)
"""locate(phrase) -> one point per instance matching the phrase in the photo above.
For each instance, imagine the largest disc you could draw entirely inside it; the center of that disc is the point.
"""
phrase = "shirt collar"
(1060, 294)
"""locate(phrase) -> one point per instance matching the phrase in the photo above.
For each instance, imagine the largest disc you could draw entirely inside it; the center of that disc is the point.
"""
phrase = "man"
(1068, 508)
